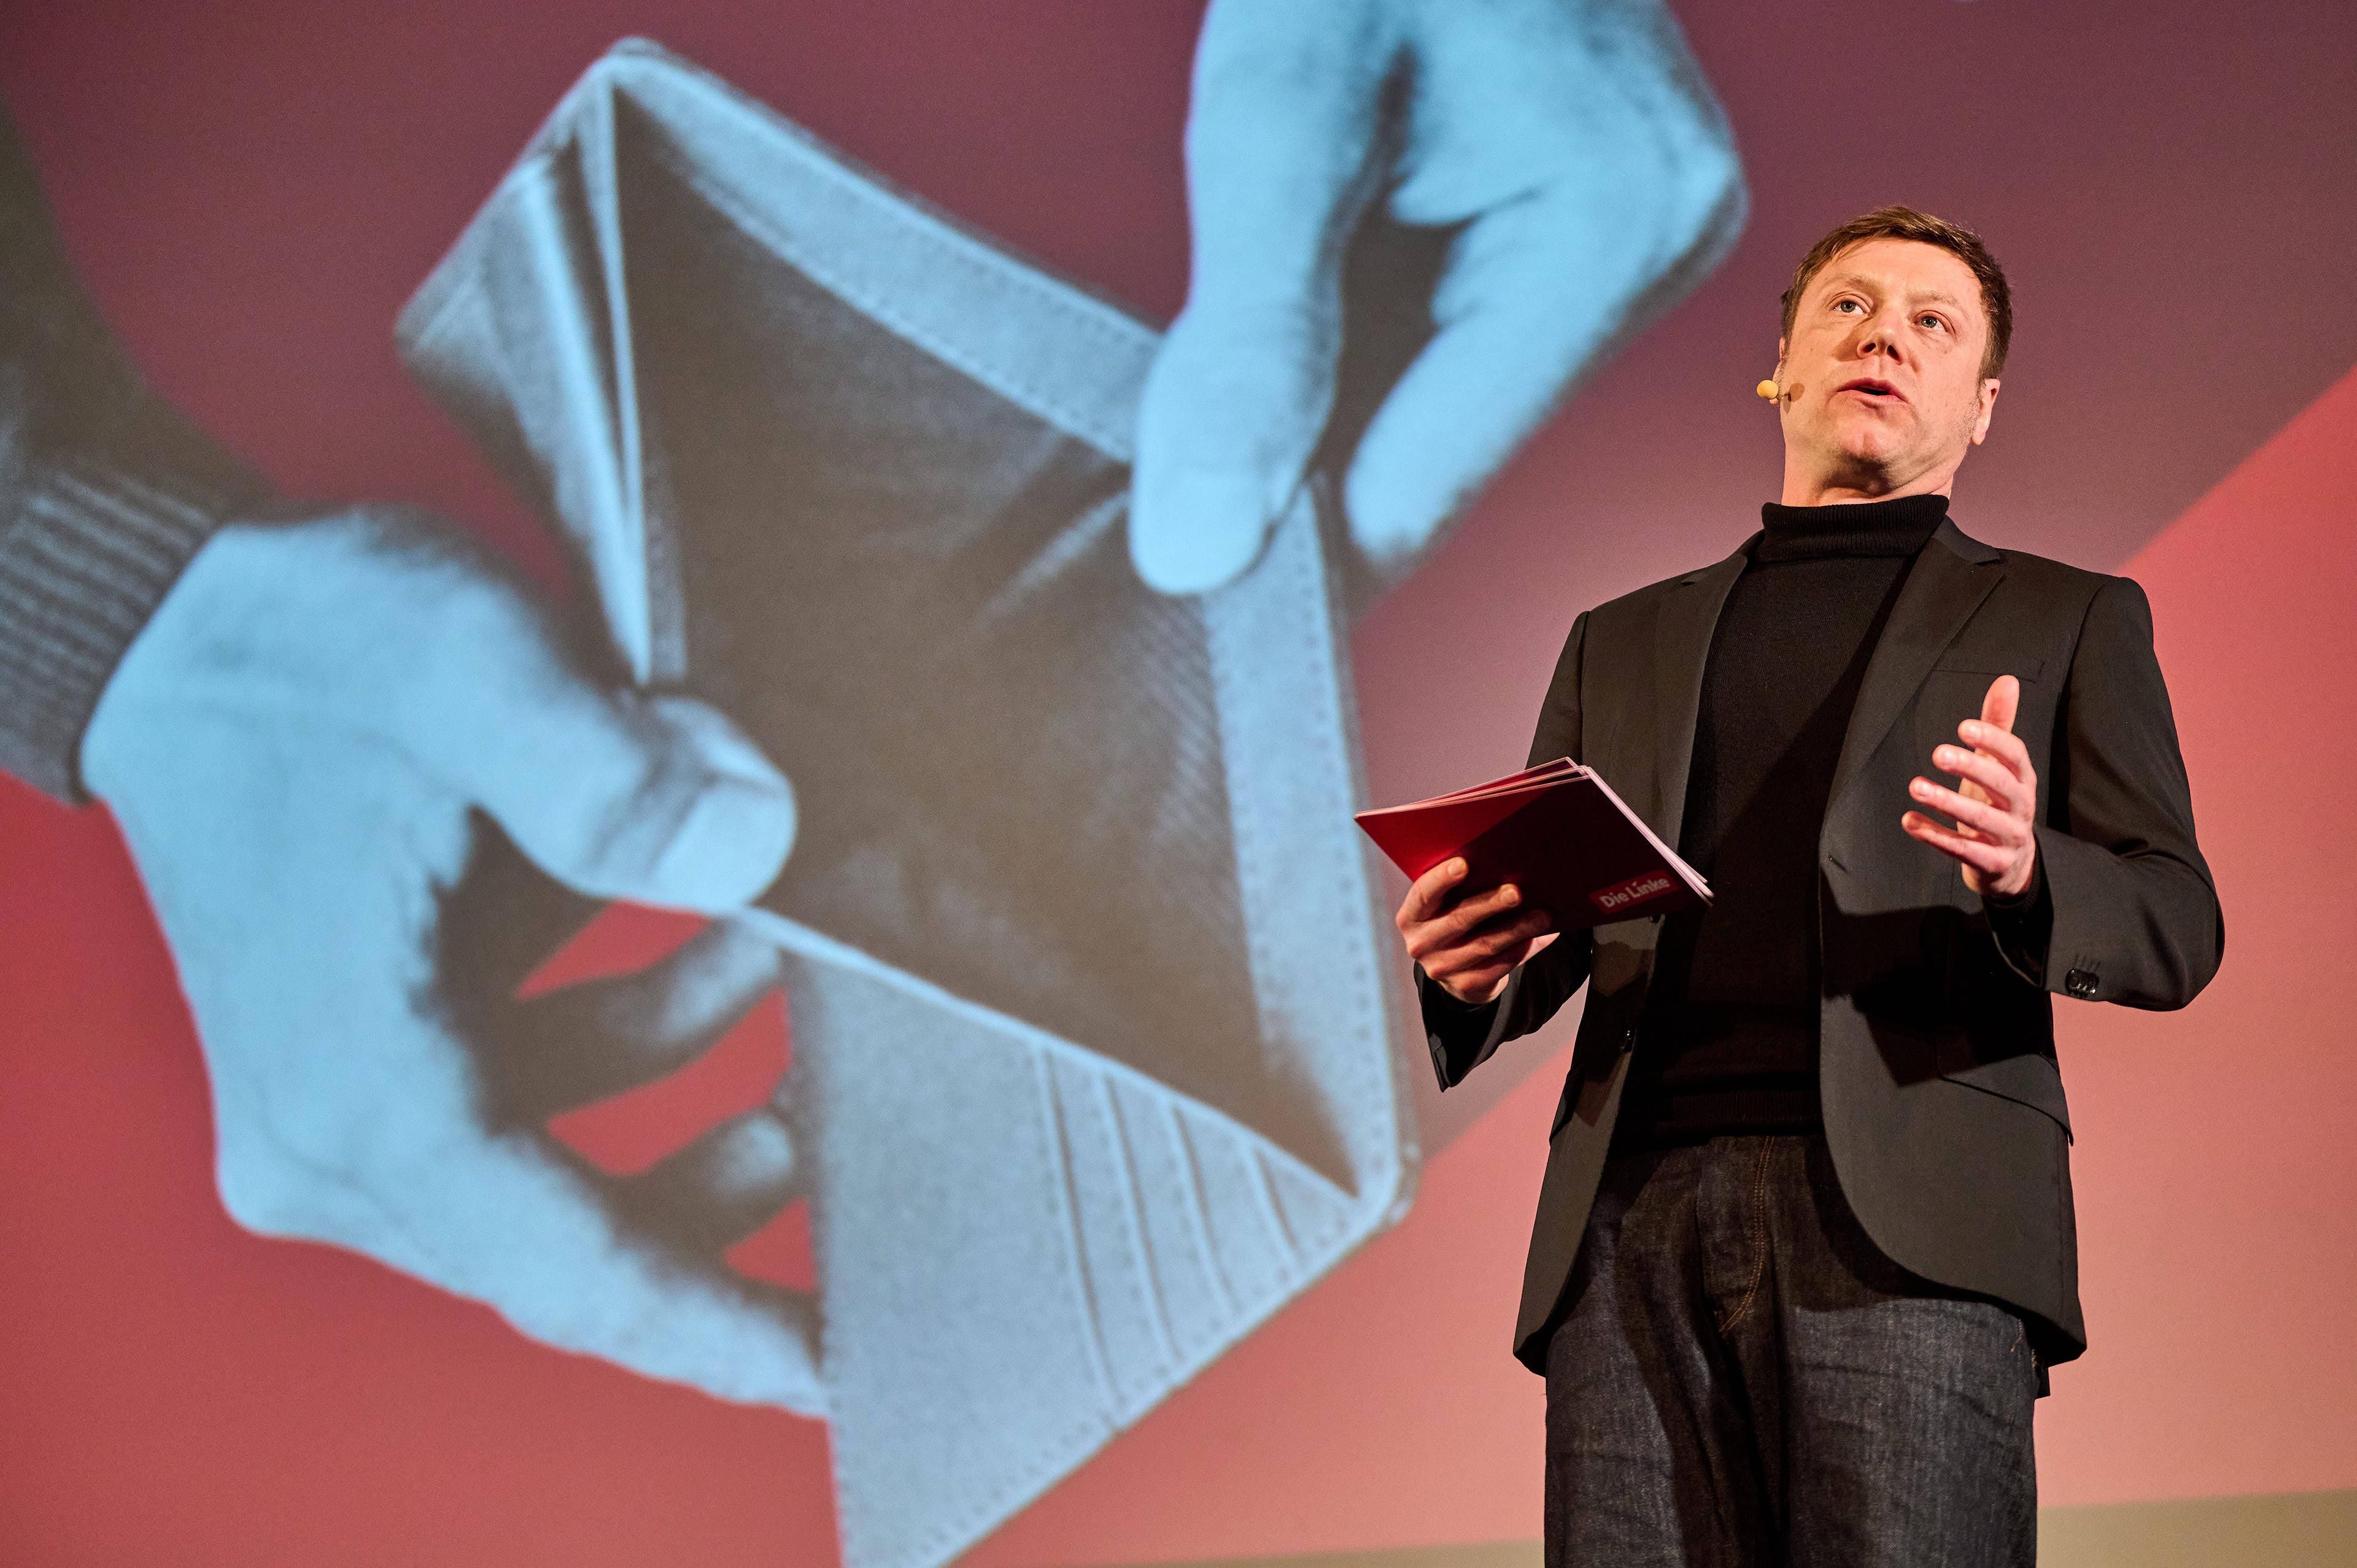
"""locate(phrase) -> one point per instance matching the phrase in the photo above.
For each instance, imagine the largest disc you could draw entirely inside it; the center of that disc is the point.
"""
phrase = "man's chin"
(1867, 439)
(1866, 454)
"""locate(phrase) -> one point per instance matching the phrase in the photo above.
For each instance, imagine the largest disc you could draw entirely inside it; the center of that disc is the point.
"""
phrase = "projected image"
(975, 659)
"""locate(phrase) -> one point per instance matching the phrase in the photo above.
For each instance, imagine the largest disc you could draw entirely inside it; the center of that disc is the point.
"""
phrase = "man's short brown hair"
(1907, 223)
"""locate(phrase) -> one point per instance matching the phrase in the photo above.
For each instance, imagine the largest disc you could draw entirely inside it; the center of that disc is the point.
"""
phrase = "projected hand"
(301, 749)
(1574, 149)
(1994, 839)
(1470, 942)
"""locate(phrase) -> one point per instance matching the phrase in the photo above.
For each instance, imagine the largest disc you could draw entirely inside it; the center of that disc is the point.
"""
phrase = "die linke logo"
(1636, 890)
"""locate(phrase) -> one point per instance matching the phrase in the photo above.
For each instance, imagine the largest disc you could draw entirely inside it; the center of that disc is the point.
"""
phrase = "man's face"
(1882, 374)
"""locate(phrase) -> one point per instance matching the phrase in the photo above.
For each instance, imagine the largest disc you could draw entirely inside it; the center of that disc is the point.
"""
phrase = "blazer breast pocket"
(1992, 665)
(1958, 685)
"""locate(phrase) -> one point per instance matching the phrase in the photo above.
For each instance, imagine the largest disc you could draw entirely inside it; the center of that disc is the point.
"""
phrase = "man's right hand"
(1470, 942)
(1573, 152)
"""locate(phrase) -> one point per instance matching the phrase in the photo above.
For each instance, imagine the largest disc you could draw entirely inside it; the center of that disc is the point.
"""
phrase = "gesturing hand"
(1469, 944)
(1574, 146)
(300, 749)
(1995, 807)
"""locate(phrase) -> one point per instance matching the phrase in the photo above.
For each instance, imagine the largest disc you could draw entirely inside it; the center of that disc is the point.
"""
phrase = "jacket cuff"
(2024, 924)
(1461, 1034)
(2042, 940)
(97, 537)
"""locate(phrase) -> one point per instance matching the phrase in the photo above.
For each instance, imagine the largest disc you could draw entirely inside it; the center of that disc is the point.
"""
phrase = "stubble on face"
(1883, 391)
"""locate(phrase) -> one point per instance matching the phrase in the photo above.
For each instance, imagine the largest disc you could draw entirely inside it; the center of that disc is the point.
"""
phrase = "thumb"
(1536, 290)
(1281, 160)
(619, 794)
(1587, 182)
(380, 623)
(655, 800)
(2003, 702)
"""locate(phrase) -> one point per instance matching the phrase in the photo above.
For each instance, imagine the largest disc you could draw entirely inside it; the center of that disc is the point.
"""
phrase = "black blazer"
(1944, 1105)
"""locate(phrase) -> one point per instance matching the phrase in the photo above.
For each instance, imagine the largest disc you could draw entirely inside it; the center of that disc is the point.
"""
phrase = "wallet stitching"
(1016, 388)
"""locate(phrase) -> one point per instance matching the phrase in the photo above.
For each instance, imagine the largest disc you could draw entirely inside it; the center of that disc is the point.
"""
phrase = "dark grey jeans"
(1743, 1378)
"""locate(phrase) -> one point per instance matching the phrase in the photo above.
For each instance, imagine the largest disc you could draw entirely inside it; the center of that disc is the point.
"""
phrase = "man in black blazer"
(1805, 1246)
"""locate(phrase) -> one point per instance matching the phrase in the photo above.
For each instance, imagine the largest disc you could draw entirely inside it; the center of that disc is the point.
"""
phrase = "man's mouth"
(1872, 389)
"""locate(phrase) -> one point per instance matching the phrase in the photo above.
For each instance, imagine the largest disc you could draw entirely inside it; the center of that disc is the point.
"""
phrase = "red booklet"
(1558, 832)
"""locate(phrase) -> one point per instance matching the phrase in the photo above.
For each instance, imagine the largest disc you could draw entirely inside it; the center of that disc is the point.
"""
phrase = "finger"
(1986, 821)
(1981, 856)
(1991, 777)
(2003, 702)
(519, 1226)
(661, 800)
(1451, 919)
(1281, 159)
(1531, 294)
(588, 1042)
(2003, 744)
(1520, 938)
(1594, 187)
(443, 653)
(1476, 984)
(721, 1189)
(449, 656)
(1504, 946)
(1974, 853)
(1483, 974)
(1470, 913)
(1505, 936)
(1428, 894)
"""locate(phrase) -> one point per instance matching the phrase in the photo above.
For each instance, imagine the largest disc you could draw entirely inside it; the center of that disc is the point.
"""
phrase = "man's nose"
(1880, 335)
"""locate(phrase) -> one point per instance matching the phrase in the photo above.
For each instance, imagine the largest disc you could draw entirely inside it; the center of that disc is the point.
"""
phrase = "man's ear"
(1988, 407)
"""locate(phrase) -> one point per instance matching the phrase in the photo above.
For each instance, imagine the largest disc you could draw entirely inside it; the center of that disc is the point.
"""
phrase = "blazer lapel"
(1688, 618)
(1950, 577)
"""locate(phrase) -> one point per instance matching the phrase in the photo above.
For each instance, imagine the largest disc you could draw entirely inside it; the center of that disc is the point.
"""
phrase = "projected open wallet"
(1558, 832)
(1092, 1064)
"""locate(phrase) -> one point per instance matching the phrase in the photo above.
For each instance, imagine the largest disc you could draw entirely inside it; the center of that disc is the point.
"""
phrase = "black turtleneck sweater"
(1729, 1040)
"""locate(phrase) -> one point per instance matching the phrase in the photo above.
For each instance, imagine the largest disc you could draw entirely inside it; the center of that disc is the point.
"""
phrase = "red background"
(252, 190)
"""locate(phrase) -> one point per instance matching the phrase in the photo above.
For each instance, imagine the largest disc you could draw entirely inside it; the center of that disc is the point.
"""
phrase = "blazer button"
(2080, 983)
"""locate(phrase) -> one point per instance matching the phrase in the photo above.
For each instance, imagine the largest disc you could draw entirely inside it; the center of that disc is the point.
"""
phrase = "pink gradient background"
(252, 189)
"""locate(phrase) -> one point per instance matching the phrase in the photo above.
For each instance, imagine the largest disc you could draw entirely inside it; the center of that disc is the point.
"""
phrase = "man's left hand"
(1995, 807)
(305, 749)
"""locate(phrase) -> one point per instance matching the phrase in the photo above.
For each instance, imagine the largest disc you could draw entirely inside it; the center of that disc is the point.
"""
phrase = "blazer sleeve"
(105, 493)
(2128, 911)
(1461, 1035)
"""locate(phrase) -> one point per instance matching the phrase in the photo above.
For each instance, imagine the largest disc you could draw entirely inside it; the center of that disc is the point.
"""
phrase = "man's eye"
(1931, 321)
(1849, 304)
